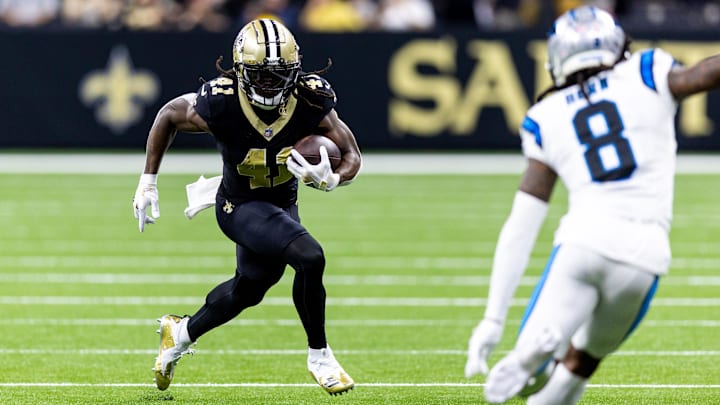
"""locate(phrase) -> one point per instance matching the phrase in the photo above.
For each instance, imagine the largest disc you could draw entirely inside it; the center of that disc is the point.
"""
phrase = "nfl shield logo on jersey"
(268, 133)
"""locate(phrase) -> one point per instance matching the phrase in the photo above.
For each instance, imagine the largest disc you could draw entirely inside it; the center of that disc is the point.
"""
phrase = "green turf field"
(408, 259)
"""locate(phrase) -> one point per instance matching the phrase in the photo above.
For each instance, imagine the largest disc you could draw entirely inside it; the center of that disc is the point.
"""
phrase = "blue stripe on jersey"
(646, 68)
(644, 307)
(531, 126)
(538, 288)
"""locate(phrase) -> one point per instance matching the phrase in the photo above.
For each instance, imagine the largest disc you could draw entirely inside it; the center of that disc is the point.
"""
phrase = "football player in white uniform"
(606, 129)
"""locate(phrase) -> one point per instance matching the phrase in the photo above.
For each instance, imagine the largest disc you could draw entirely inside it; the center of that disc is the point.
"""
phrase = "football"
(309, 147)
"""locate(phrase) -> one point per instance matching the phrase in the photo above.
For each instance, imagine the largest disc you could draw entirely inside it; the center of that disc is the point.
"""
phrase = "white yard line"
(314, 386)
(213, 278)
(287, 301)
(223, 261)
(384, 323)
(291, 352)
(374, 163)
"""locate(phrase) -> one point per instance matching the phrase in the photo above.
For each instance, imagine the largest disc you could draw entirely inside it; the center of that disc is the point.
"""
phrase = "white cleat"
(513, 373)
(327, 372)
(505, 380)
(172, 348)
(537, 381)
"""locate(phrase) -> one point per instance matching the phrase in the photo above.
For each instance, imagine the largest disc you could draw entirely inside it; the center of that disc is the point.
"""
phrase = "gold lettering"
(538, 52)
(493, 83)
(429, 98)
(314, 83)
(220, 86)
(281, 159)
(693, 118)
(254, 167)
(409, 85)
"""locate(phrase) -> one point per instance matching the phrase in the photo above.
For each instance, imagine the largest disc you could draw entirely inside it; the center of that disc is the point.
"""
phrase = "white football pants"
(590, 300)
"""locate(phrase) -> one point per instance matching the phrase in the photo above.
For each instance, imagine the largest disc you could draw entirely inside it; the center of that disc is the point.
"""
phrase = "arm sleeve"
(512, 252)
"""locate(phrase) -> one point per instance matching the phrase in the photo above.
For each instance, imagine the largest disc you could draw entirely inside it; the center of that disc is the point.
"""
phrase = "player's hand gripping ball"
(309, 148)
(313, 161)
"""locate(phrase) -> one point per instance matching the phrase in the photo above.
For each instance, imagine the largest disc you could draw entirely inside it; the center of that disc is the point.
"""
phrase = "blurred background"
(411, 75)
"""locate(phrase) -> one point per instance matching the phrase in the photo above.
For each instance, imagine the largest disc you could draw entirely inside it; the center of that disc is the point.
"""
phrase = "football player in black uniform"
(256, 112)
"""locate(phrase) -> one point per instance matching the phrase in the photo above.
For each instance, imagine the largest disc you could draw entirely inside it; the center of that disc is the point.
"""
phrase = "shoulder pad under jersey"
(212, 97)
(316, 91)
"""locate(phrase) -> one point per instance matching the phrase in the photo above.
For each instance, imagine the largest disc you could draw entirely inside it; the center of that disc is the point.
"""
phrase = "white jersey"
(616, 157)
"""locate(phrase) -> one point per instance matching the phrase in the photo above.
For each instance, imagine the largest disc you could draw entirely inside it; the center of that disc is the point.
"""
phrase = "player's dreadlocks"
(229, 73)
(581, 76)
(323, 70)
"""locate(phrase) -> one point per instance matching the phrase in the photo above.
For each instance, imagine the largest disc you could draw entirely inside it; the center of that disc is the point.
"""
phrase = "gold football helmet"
(266, 59)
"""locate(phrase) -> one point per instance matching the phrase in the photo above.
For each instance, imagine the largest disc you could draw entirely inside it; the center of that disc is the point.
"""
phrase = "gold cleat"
(171, 349)
(328, 373)
(335, 384)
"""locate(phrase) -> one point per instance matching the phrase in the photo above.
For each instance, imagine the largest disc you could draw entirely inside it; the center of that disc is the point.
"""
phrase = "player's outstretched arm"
(518, 235)
(336, 129)
(512, 254)
(703, 76)
(176, 115)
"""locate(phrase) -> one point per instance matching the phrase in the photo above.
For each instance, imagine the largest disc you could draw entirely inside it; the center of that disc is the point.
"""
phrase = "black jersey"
(253, 151)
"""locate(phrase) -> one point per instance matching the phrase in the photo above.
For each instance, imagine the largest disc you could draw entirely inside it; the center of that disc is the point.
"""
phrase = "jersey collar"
(268, 131)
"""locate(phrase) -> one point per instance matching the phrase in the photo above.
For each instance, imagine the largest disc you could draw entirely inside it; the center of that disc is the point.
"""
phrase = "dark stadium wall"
(459, 90)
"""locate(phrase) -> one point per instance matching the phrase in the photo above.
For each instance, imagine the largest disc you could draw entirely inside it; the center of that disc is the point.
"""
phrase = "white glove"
(146, 195)
(485, 337)
(319, 176)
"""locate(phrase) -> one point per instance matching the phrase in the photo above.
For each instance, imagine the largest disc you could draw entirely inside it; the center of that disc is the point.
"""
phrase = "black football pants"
(267, 239)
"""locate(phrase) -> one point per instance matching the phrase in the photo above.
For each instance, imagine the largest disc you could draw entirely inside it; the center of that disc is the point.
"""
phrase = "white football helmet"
(266, 59)
(582, 38)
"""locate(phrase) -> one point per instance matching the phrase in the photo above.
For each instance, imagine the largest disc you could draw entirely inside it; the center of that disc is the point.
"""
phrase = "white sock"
(315, 353)
(564, 388)
(183, 336)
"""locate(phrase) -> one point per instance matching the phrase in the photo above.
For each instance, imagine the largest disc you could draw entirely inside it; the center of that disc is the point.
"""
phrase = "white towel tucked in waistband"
(201, 195)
